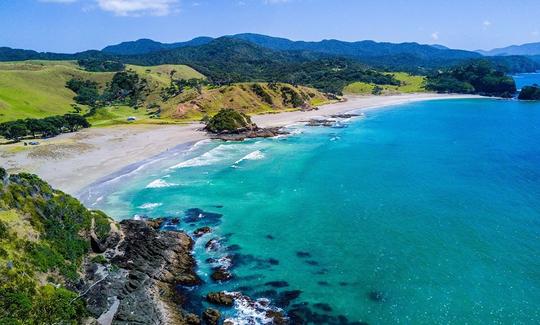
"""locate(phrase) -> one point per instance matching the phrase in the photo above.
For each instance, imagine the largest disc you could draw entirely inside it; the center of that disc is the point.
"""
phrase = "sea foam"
(160, 183)
(149, 206)
(255, 155)
(249, 311)
(208, 158)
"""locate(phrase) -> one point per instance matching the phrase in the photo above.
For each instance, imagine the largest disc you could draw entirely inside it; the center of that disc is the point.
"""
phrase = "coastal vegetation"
(100, 65)
(530, 93)
(44, 239)
(228, 120)
(37, 89)
(247, 75)
(46, 127)
(476, 77)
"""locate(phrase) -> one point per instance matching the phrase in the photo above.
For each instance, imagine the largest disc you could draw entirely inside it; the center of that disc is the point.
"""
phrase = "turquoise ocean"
(423, 213)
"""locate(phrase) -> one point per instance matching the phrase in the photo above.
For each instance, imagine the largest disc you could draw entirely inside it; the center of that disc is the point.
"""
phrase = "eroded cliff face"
(135, 281)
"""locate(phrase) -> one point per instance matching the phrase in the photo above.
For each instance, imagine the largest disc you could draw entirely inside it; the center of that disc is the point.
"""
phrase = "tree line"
(125, 88)
(475, 77)
(46, 127)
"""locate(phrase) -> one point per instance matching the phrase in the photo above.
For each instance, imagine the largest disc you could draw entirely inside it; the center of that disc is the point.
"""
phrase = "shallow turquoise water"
(422, 213)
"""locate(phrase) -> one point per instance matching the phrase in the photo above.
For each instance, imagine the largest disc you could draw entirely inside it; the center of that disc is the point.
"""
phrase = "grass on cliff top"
(409, 84)
(36, 89)
(242, 97)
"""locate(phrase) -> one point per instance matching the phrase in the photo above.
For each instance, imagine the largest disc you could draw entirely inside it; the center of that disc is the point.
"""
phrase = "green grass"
(409, 84)
(161, 73)
(36, 89)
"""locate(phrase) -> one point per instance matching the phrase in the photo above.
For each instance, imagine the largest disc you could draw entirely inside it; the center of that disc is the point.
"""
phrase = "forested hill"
(409, 57)
(227, 60)
(144, 46)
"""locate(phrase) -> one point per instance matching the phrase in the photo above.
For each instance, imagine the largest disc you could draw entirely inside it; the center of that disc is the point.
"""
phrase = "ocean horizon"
(419, 213)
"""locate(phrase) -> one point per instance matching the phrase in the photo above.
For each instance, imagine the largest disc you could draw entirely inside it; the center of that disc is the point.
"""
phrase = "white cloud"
(435, 36)
(139, 7)
(486, 24)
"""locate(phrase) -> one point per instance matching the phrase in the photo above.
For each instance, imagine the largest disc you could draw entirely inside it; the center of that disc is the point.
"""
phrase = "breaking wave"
(149, 206)
(159, 183)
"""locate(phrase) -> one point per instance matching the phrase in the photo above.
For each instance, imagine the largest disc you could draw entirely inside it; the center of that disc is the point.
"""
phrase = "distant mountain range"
(227, 54)
(359, 49)
(525, 49)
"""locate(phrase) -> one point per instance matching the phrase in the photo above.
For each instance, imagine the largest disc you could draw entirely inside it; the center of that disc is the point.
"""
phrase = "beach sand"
(71, 162)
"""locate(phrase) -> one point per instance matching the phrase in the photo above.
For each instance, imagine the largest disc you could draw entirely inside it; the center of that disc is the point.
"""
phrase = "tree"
(530, 93)
(14, 130)
(75, 122)
(229, 120)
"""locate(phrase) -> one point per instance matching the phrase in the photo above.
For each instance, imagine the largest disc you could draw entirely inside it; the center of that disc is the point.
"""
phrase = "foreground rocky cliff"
(61, 263)
(136, 279)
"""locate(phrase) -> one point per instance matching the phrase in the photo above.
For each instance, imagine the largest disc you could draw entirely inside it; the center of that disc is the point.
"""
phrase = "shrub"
(530, 93)
(228, 120)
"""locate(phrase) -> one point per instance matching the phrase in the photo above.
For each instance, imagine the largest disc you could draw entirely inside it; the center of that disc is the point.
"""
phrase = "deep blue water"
(424, 213)
(526, 79)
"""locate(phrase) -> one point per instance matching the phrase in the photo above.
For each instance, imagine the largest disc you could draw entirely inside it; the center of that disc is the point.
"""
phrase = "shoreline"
(76, 161)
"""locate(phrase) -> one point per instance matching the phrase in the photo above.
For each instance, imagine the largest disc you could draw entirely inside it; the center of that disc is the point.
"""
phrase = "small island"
(530, 93)
(231, 125)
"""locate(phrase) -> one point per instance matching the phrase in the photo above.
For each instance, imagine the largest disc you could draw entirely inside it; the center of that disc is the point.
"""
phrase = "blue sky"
(76, 25)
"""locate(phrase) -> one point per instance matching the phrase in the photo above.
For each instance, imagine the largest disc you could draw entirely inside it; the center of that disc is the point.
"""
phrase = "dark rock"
(277, 317)
(273, 261)
(376, 296)
(284, 299)
(220, 299)
(212, 245)
(344, 115)
(221, 275)
(233, 248)
(270, 237)
(192, 319)
(303, 254)
(202, 231)
(324, 122)
(211, 316)
(200, 216)
(323, 307)
(155, 223)
(241, 135)
(277, 284)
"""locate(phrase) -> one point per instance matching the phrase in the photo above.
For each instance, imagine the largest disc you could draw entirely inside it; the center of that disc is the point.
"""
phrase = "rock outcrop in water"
(231, 125)
(138, 286)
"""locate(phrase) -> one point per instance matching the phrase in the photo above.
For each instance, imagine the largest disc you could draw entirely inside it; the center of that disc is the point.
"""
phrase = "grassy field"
(37, 88)
(409, 84)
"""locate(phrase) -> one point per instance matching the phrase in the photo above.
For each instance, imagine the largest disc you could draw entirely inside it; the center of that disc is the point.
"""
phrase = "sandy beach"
(71, 162)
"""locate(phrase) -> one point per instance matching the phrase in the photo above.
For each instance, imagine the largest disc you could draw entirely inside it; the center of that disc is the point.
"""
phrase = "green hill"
(408, 84)
(36, 89)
